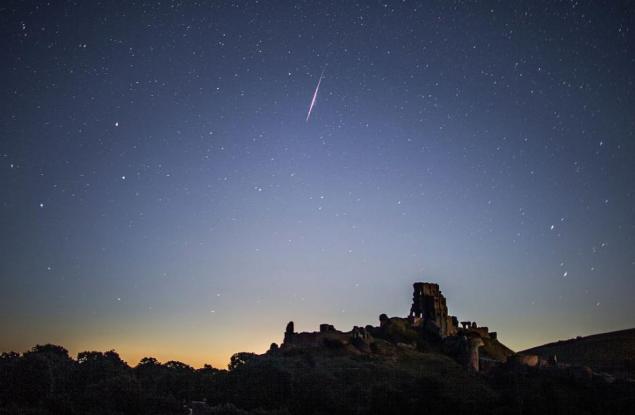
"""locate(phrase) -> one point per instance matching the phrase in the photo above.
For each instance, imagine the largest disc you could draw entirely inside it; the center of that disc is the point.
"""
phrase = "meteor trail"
(317, 88)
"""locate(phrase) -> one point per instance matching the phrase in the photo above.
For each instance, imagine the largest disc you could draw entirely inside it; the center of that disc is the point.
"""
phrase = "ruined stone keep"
(430, 310)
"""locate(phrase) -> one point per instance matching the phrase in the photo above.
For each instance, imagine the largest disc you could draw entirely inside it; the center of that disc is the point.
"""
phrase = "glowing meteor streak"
(317, 88)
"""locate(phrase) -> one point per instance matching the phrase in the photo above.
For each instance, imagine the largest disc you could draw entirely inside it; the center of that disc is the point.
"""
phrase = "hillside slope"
(612, 352)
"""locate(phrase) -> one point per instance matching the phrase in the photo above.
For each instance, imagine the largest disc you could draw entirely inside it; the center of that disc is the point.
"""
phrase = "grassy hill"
(323, 382)
(612, 352)
(402, 381)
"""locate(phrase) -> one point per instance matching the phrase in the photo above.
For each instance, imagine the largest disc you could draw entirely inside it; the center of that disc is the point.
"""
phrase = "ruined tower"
(428, 305)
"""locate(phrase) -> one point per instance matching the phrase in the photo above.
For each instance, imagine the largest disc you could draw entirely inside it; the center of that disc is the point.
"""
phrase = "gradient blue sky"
(163, 195)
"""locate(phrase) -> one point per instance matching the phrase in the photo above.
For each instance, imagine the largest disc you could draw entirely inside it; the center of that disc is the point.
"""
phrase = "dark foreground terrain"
(403, 379)
(423, 363)
(612, 352)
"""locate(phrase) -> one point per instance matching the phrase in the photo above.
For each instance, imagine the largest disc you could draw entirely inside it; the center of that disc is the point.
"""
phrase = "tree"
(239, 359)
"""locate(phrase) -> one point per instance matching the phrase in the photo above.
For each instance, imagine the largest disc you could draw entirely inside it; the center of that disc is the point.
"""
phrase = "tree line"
(46, 380)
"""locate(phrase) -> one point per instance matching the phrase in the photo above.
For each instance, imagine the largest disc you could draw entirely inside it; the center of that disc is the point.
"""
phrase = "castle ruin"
(427, 321)
(430, 310)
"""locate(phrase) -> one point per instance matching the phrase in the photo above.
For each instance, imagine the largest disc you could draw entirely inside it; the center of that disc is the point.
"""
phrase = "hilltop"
(428, 328)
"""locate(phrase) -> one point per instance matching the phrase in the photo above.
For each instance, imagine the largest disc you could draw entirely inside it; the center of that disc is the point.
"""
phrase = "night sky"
(162, 193)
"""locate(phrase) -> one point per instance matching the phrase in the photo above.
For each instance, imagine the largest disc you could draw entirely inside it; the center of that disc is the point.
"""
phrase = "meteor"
(317, 88)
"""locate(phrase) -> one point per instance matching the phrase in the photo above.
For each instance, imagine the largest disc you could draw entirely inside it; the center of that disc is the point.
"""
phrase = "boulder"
(530, 360)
